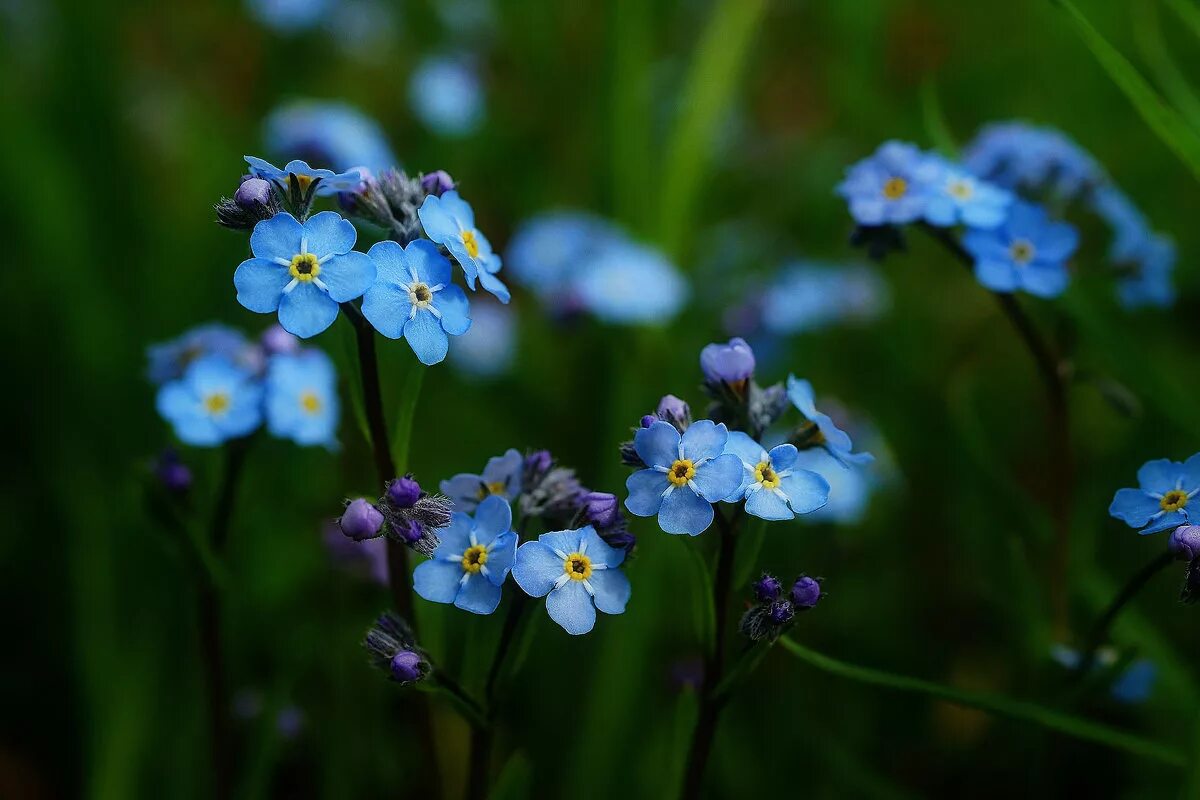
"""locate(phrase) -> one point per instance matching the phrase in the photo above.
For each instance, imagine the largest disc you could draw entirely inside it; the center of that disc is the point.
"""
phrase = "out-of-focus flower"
(891, 187)
(328, 182)
(329, 133)
(289, 16)
(727, 363)
(1028, 252)
(1163, 497)
(215, 400)
(450, 221)
(849, 487)
(549, 251)
(773, 487)
(470, 565)
(820, 429)
(807, 296)
(172, 473)
(169, 360)
(630, 285)
(276, 341)
(1146, 281)
(956, 196)
(446, 95)
(302, 400)
(437, 182)
(577, 573)
(1134, 684)
(501, 476)
(366, 558)
(489, 347)
(1016, 155)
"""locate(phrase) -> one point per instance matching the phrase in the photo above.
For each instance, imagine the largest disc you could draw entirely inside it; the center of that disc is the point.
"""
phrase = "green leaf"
(515, 779)
(1188, 12)
(1170, 127)
(1147, 31)
(997, 704)
(936, 127)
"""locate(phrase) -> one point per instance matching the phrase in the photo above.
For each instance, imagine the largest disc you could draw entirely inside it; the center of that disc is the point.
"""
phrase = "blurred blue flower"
(1161, 501)
(328, 132)
(957, 196)
(1029, 252)
(473, 560)
(302, 399)
(1134, 685)
(549, 251)
(808, 296)
(489, 347)
(773, 487)
(303, 271)
(214, 401)
(450, 221)
(890, 187)
(1147, 280)
(446, 95)
(501, 476)
(1016, 155)
(1129, 226)
(630, 284)
(168, 360)
(685, 475)
(330, 182)
(413, 298)
(732, 362)
(827, 434)
(577, 573)
(289, 16)
(849, 488)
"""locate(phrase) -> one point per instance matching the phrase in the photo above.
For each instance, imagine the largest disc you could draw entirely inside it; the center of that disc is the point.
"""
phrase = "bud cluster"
(774, 610)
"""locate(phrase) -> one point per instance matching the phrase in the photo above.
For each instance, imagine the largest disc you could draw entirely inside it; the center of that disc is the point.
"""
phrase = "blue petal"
(646, 488)
(704, 439)
(260, 283)
(456, 310)
(1166, 522)
(741, 445)
(501, 554)
(439, 225)
(245, 412)
(1161, 475)
(174, 401)
(800, 392)
(306, 311)
(431, 266)
(348, 276)
(329, 234)
(463, 489)
(684, 511)
(1191, 473)
(657, 445)
(458, 208)
(1044, 280)
(571, 607)
(783, 457)
(806, 490)
(536, 569)
(492, 284)
(455, 537)
(612, 590)
(564, 542)
(1057, 241)
(506, 469)
(277, 237)
(437, 581)
(999, 276)
(261, 168)
(598, 550)
(1134, 507)
(387, 307)
(478, 595)
(492, 518)
(426, 337)
(986, 245)
(765, 504)
(719, 478)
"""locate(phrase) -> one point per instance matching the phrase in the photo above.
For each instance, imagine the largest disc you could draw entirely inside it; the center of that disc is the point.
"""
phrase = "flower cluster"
(216, 385)
(405, 514)
(393, 650)
(773, 610)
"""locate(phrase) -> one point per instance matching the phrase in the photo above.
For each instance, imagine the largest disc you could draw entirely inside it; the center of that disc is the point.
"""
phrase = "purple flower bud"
(276, 341)
(674, 411)
(1185, 542)
(621, 538)
(602, 508)
(731, 363)
(404, 492)
(806, 592)
(172, 472)
(767, 588)
(408, 530)
(361, 520)
(437, 183)
(407, 666)
(649, 420)
(537, 464)
(781, 611)
(252, 194)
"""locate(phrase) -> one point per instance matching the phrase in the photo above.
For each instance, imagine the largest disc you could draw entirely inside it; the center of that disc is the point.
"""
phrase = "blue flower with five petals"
(475, 556)
(450, 221)
(330, 182)
(956, 195)
(891, 187)
(302, 399)
(1028, 251)
(303, 271)
(1162, 501)
(501, 476)
(685, 476)
(773, 486)
(412, 297)
(827, 435)
(577, 573)
(214, 401)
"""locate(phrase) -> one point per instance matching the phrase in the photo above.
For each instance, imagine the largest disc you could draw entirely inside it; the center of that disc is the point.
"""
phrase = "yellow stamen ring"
(310, 403)
(216, 403)
(1173, 500)
(766, 475)
(474, 558)
(471, 242)
(895, 188)
(577, 567)
(304, 267)
(682, 471)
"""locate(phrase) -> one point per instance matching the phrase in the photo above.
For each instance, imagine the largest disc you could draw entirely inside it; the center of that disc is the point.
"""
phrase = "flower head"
(413, 298)
(956, 196)
(807, 296)
(169, 360)
(548, 252)
(450, 221)
(891, 187)
(487, 350)
(302, 399)
(1146, 280)
(1018, 155)
(629, 284)
(303, 271)
(446, 95)
(577, 573)
(685, 475)
(327, 182)
(1163, 499)
(470, 565)
(501, 476)
(773, 486)
(393, 650)
(821, 430)
(1028, 251)
(214, 401)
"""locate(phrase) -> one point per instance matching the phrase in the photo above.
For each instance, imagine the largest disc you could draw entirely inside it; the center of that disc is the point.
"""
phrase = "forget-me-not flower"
(891, 187)
(470, 565)
(850, 488)
(303, 271)
(330, 182)
(413, 297)
(685, 475)
(807, 296)
(1029, 251)
(956, 195)
(1018, 155)
(502, 476)
(446, 95)
(629, 284)
(1164, 497)
(169, 360)
(577, 573)
(302, 399)
(450, 221)
(773, 485)
(214, 401)
(488, 349)
(1147, 280)
(547, 251)
(329, 132)
(826, 434)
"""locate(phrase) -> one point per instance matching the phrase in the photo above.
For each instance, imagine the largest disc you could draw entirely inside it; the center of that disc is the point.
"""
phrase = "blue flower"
(502, 476)
(1136, 683)
(547, 251)
(330, 182)
(956, 195)
(303, 271)
(1147, 281)
(302, 400)
(629, 284)
(169, 360)
(849, 488)
(413, 298)
(475, 556)
(289, 16)
(1029, 252)
(1130, 229)
(577, 573)
(809, 296)
(772, 485)
(450, 221)
(1018, 155)
(827, 435)
(686, 475)
(890, 187)
(487, 350)
(446, 95)
(1161, 502)
(328, 132)
(215, 400)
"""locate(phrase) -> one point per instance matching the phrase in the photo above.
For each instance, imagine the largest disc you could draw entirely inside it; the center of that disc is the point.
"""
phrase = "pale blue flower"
(773, 485)
(328, 132)
(501, 476)
(807, 296)
(632, 285)
(450, 221)
(168, 360)
(1029, 251)
(956, 196)
(828, 435)
(850, 488)
(577, 573)
(891, 187)
(447, 96)
(489, 348)
(215, 400)
(302, 400)
(473, 560)
(1147, 280)
(1164, 497)
(330, 182)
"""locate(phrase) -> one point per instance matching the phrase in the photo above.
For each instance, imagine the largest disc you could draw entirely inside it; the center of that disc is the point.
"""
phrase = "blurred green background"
(125, 121)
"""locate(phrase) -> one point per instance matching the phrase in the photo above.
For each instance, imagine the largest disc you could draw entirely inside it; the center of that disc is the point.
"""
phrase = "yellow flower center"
(216, 403)
(471, 243)
(1021, 251)
(578, 567)
(304, 267)
(309, 402)
(420, 295)
(682, 471)
(960, 189)
(1173, 500)
(303, 180)
(494, 487)
(474, 558)
(764, 474)
(895, 188)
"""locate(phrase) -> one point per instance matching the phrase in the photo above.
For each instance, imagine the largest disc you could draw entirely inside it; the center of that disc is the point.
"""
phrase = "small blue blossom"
(502, 476)
(169, 360)
(891, 187)
(450, 221)
(289, 16)
(302, 399)
(685, 476)
(413, 298)
(446, 95)
(330, 182)
(488, 349)
(956, 196)
(1136, 683)
(328, 132)
(1016, 155)
(1163, 497)
(1147, 280)
(807, 296)
(849, 488)
(547, 252)
(214, 401)
(473, 560)
(630, 285)
(577, 573)
(303, 271)
(1130, 229)
(827, 435)
(1029, 252)
(772, 485)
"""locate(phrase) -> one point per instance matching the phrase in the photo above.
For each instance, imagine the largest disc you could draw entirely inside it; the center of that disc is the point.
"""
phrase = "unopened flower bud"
(648, 420)
(173, 473)
(675, 411)
(806, 592)
(277, 341)
(437, 183)
(361, 520)
(404, 492)
(253, 194)
(767, 588)
(781, 611)
(407, 666)
(727, 363)
(1184, 543)
(602, 508)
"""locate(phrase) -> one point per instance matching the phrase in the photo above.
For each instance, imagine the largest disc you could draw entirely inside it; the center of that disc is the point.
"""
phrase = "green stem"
(483, 736)
(993, 704)
(1099, 633)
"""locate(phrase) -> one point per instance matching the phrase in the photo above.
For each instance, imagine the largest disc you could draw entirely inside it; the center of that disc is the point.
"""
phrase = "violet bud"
(253, 194)
(781, 611)
(539, 461)
(728, 363)
(407, 666)
(675, 411)
(173, 473)
(767, 588)
(404, 492)
(648, 420)
(806, 592)
(361, 520)
(437, 183)
(1184, 543)
(277, 341)
(408, 531)
(602, 508)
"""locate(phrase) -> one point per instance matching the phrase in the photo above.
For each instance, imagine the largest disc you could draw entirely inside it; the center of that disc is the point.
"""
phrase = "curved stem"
(482, 736)
(1099, 632)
